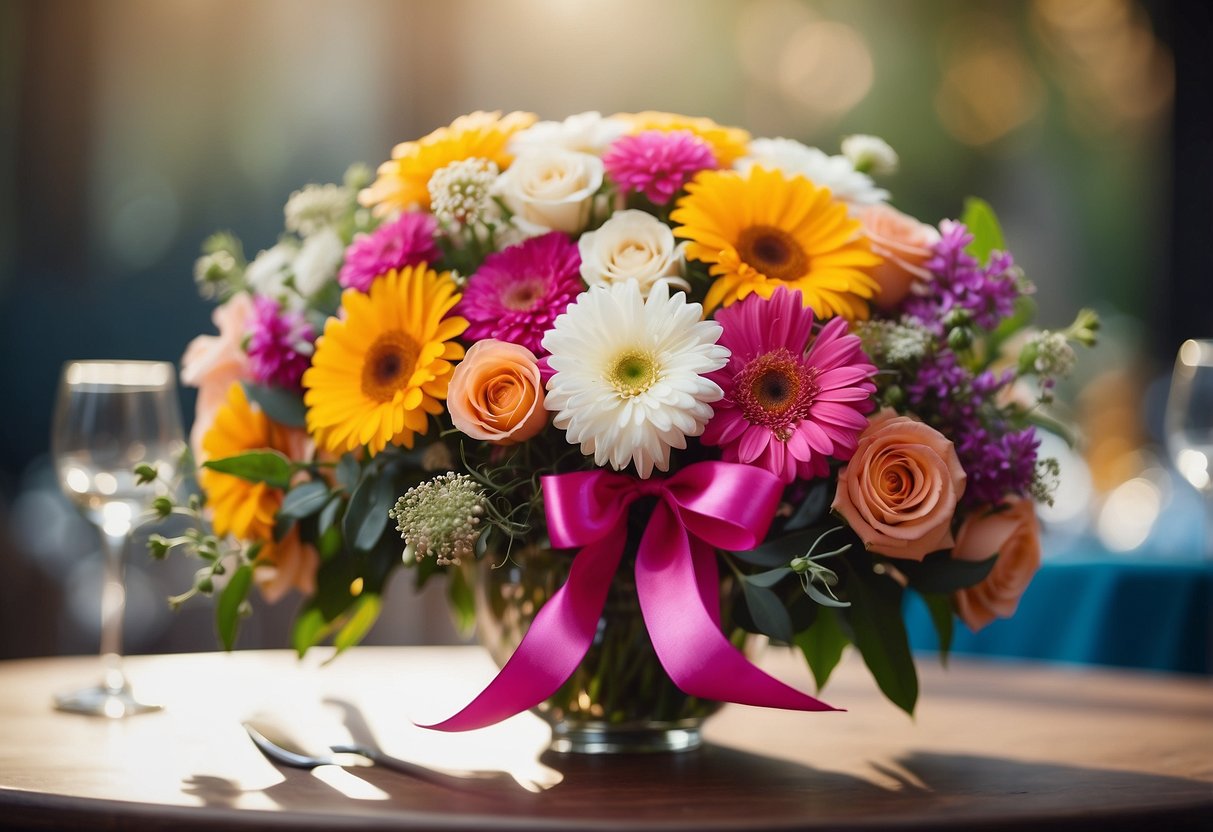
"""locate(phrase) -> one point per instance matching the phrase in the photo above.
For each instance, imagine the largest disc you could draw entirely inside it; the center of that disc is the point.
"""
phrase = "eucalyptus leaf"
(823, 598)
(982, 223)
(348, 472)
(304, 500)
(768, 579)
(769, 614)
(879, 632)
(822, 645)
(328, 515)
(940, 573)
(813, 508)
(227, 610)
(283, 406)
(269, 467)
(366, 515)
(780, 551)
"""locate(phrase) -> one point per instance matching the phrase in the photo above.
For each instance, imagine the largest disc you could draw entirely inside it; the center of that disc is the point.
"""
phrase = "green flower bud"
(145, 473)
(158, 546)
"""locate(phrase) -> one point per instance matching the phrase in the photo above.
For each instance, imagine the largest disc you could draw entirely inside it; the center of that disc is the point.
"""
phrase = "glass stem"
(113, 607)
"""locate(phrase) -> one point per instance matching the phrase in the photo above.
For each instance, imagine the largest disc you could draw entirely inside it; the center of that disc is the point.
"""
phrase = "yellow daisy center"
(389, 365)
(772, 251)
(632, 373)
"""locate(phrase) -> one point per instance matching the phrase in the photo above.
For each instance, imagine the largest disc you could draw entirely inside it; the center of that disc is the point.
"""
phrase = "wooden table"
(995, 746)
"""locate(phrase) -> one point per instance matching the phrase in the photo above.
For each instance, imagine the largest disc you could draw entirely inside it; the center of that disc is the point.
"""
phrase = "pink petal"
(753, 443)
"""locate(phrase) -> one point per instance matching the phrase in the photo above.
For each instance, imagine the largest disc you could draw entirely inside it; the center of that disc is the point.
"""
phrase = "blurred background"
(132, 129)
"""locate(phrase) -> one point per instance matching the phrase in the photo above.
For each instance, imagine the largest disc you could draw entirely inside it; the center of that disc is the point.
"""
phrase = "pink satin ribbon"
(703, 507)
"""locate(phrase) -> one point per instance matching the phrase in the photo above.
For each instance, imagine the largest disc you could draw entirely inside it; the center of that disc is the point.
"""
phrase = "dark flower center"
(776, 389)
(388, 366)
(523, 295)
(772, 251)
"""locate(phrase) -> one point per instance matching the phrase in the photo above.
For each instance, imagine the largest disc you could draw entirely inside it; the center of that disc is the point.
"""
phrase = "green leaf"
(304, 500)
(328, 517)
(463, 603)
(348, 472)
(329, 542)
(939, 573)
(812, 508)
(366, 516)
(282, 406)
(940, 607)
(982, 223)
(364, 616)
(879, 631)
(769, 614)
(780, 551)
(768, 579)
(269, 467)
(822, 645)
(310, 629)
(227, 610)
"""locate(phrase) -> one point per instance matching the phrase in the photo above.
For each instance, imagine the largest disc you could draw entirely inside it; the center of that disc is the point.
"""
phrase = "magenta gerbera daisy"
(791, 401)
(517, 293)
(657, 163)
(407, 241)
(280, 344)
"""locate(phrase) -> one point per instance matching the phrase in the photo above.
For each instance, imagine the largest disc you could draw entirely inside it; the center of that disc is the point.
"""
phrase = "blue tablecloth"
(1122, 611)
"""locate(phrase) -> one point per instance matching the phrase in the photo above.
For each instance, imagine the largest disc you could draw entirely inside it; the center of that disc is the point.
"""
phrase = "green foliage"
(304, 500)
(822, 645)
(940, 573)
(269, 467)
(459, 593)
(363, 615)
(280, 405)
(767, 611)
(983, 224)
(943, 617)
(231, 601)
(366, 515)
(878, 631)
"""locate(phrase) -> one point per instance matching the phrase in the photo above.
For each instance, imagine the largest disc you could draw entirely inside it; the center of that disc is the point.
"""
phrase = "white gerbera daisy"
(629, 379)
(792, 158)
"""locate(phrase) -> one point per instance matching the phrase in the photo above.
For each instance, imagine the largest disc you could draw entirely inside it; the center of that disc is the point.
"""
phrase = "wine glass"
(1189, 423)
(110, 416)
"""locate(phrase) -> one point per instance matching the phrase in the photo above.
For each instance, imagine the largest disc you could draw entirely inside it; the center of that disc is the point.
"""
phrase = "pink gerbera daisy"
(517, 293)
(280, 344)
(407, 241)
(791, 401)
(657, 163)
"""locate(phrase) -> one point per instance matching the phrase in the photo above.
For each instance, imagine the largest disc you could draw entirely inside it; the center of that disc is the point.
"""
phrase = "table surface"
(993, 745)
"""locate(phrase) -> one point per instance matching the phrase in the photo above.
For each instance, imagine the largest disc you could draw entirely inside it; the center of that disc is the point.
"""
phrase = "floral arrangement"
(518, 329)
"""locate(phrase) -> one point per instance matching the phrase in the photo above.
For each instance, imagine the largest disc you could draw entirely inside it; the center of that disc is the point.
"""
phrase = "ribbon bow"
(703, 507)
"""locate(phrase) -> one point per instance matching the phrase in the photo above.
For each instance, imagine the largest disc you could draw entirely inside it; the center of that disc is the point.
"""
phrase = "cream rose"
(1014, 535)
(496, 393)
(632, 245)
(905, 244)
(900, 489)
(552, 188)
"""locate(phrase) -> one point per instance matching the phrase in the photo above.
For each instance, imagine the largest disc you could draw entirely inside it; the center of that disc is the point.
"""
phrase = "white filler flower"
(629, 379)
(792, 158)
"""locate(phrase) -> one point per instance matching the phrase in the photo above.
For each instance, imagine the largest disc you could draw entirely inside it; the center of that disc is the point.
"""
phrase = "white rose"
(269, 270)
(795, 159)
(632, 245)
(553, 188)
(584, 132)
(317, 261)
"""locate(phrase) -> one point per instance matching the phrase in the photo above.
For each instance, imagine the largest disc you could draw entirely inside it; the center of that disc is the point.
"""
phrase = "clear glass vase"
(619, 700)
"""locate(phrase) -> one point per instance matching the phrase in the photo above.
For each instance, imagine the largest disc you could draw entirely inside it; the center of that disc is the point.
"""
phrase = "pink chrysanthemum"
(407, 241)
(518, 292)
(789, 407)
(280, 344)
(657, 163)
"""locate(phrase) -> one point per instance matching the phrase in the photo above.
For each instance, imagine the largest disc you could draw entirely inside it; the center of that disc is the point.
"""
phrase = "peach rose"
(904, 243)
(285, 565)
(496, 393)
(1012, 534)
(212, 362)
(900, 489)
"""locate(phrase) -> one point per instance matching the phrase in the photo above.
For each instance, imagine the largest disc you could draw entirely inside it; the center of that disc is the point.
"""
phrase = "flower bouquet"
(638, 387)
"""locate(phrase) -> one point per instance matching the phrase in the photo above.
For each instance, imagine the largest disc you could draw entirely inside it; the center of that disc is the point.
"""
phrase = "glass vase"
(619, 699)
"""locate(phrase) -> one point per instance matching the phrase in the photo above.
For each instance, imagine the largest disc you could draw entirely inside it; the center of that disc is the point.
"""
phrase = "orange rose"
(284, 565)
(1014, 535)
(496, 393)
(900, 489)
(904, 243)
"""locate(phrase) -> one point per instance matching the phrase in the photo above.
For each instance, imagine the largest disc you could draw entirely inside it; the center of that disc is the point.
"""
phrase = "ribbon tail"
(676, 580)
(554, 645)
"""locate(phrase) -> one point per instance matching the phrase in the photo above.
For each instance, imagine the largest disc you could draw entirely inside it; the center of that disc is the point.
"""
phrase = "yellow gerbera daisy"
(728, 143)
(403, 181)
(382, 364)
(239, 507)
(762, 230)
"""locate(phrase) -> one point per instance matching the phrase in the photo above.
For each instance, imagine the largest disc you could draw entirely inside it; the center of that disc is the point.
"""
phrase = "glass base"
(103, 701)
(604, 738)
